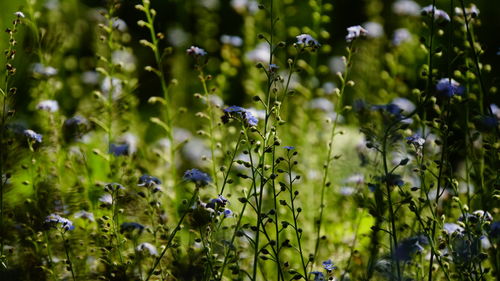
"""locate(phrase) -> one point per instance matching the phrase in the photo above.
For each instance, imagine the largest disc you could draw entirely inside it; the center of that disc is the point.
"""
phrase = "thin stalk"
(210, 126)
(66, 250)
(329, 159)
(393, 233)
(295, 224)
(262, 161)
(165, 89)
(172, 235)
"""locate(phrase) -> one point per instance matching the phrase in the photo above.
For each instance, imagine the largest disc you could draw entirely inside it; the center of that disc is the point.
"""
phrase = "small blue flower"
(390, 108)
(131, 226)
(220, 200)
(449, 87)
(307, 40)
(372, 187)
(53, 220)
(119, 149)
(416, 140)
(33, 136)
(148, 181)
(273, 67)
(196, 51)
(408, 247)
(289, 147)
(197, 177)
(318, 276)
(113, 186)
(228, 213)
(241, 113)
(329, 266)
(84, 215)
(495, 230)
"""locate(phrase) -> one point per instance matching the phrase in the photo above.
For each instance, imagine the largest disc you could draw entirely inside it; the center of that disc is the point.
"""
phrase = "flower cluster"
(307, 41)
(198, 177)
(148, 181)
(236, 112)
(449, 87)
(33, 136)
(196, 51)
(53, 220)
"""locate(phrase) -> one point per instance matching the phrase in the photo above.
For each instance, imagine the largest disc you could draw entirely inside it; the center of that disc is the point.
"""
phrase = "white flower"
(84, 215)
(119, 24)
(337, 64)
(322, 104)
(374, 29)
(450, 228)
(19, 14)
(42, 70)
(177, 36)
(406, 8)
(406, 105)
(329, 87)
(124, 58)
(356, 179)
(90, 77)
(112, 83)
(242, 6)
(355, 32)
(261, 53)
(235, 41)
(472, 11)
(48, 105)
(147, 247)
(495, 110)
(106, 199)
(400, 36)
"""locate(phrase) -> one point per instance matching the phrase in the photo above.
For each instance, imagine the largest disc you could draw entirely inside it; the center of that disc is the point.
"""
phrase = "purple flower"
(449, 87)
(236, 112)
(289, 147)
(197, 177)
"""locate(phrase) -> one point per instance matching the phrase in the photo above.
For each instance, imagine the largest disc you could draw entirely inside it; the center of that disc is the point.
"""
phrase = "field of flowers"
(249, 140)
